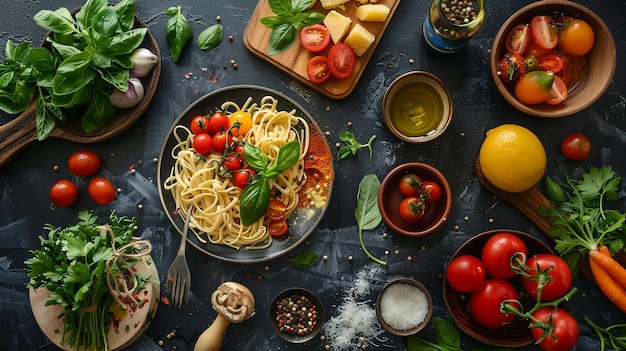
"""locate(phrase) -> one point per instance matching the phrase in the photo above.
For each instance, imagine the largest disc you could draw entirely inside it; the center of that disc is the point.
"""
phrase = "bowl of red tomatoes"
(414, 199)
(552, 59)
(479, 277)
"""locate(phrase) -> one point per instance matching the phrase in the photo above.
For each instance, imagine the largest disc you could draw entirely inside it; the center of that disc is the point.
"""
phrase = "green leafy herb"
(17, 86)
(255, 198)
(613, 337)
(290, 15)
(447, 338)
(177, 31)
(210, 38)
(581, 222)
(367, 213)
(352, 145)
(305, 259)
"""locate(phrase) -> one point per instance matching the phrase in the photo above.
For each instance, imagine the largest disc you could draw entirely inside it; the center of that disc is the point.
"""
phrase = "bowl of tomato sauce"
(414, 199)
(552, 59)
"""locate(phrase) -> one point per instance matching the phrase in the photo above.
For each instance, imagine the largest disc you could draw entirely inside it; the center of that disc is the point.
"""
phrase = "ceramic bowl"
(515, 334)
(417, 107)
(410, 300)
(305, 299)
(596, 76)
(390, 197)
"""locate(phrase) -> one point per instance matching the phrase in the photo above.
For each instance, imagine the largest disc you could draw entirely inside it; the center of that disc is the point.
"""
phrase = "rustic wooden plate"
(22, 130)
(293, 61)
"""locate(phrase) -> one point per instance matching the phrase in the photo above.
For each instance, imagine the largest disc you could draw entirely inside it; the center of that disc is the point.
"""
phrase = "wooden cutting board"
(130, 328)
(293, 61)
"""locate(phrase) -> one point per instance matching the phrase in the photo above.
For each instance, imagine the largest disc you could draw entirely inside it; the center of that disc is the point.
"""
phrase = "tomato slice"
(315, 38)
(278, 228)
(317, 70)
(550, 63)
(518, 39)
(543, 31)
(276, 210)
(341, 60)
(558, 92)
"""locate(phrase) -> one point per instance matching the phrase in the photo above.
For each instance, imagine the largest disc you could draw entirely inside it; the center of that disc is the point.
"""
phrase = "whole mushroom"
(234, 303)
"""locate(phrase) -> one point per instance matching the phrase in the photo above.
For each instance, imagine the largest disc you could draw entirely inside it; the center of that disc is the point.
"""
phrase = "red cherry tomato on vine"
(497, 254)
(202, 143)
(101, 190)
(315, 38)
(465, 273)
(232, 162)
(243, 177)
(221, 140)
(485, 303)
(576, 147)
(317, 69)
(341, 60)
(199, 124)
(412, 209)
(84, 163)
(430, 191)
(218, 121)
(409, 185)
(566, 330)
(278, 228)
(63, 193)
(557, 269)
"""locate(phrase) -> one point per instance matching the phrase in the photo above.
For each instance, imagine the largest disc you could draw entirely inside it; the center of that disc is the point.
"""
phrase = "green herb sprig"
(581, 222)
(177, 31)
(290, 15)
(613, 337)
(352, 145)
(367, 213)
(447, 338)
(17, 81)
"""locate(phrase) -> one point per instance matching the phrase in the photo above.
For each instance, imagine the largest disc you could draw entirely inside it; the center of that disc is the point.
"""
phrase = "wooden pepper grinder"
(234, 303)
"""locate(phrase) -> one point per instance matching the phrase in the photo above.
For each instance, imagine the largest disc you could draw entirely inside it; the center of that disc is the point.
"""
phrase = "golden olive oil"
(416, 110)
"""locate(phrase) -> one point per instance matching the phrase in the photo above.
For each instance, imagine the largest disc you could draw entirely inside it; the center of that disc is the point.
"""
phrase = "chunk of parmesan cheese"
(359, 39)
(337, 24)
(331, 4)
(372, 12)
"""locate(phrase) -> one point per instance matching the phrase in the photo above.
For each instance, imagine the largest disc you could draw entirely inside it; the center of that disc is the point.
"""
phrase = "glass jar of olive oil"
(451, 23)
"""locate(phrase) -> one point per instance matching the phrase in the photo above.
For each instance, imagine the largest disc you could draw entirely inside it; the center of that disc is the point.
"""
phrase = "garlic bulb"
(132, 96)
(143, 60)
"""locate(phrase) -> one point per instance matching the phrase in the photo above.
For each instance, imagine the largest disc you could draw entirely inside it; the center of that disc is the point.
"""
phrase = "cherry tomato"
(84, 163)
(221, 140)
(576, 36)
(243, 177)
(430, 191)
(315, 38)
(558, 92)
(485, 302)
(409, 185)
(576, 146)
(518, 39)
(317, 69)
(543, 31)
(512, 67)
(218, 121)
(101, 190)
(202, 143)
(238, 148)
(532, 64)
(566, 330)
(278, 228)
(412, 209)
(63, 193)
(232, 162)
(534, 87)
(534, 50)
(497, 254)
(550, 63)
(276, 210)
(199, 124)
(557, 269)
(240, 122)
(341, 60)
(465, 273)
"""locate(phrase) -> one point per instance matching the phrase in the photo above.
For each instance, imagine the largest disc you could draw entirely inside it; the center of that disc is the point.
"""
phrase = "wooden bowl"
(311, 300)
(429, 308)
(515, 334)
(390, 197)
(597, 74)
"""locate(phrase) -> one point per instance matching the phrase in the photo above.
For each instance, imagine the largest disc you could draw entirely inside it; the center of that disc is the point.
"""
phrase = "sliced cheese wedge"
(372, 12)
(331, 4)
(337, 24)
(359, 39)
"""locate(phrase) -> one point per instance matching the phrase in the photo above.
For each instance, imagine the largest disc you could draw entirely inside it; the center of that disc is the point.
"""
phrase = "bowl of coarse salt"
(404, 307)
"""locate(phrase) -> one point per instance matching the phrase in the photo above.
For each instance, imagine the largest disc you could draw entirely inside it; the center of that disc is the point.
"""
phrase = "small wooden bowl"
(515, 334)
(597, 74)
(390, 197)
(420, 326)
(291, 337)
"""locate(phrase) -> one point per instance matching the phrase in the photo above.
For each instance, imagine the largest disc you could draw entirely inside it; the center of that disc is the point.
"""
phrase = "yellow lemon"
(512, 158)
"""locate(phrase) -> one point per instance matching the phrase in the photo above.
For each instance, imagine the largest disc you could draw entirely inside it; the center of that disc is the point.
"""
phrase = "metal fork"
(178, 275)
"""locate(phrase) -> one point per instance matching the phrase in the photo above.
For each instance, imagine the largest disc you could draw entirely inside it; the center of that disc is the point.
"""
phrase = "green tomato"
(532, 63)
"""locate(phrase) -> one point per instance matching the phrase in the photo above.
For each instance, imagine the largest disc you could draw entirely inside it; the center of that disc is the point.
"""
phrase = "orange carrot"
(612, 267)
(607, 284)
(605, 250)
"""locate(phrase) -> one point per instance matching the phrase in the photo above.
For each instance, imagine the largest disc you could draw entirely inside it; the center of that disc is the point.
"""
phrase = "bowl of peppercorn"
(297, 315)
(552, 58)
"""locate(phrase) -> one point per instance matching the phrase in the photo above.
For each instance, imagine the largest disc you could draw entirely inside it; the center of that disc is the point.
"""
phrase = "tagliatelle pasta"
(195, 180)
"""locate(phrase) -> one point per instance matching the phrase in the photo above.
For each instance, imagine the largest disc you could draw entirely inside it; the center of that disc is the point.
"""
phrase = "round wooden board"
(131, 327)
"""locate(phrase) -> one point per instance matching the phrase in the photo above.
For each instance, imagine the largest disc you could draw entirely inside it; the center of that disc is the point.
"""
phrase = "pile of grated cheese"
(403, 306)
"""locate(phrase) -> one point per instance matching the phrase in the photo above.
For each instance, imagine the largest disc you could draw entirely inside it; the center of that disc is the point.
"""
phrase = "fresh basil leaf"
(45, 118)
(73, 74)
(299, 5)
(254, 201)
(65, 51)
(117, 77)
(88, 11)
(288, 155)
(81, 96)
(177, 32)
(255, 157)
(345, 152)
(367, 213)
(125, 10)
(447, 334)
(42, 60)
(419, 344)
(273, 21)
(304, 259)
(105, 22)
(59, 21)
(282, 38)
(126, 42)
(348, 138)
(99, 111)
(280, 7)
(312, 17)
(210, 38)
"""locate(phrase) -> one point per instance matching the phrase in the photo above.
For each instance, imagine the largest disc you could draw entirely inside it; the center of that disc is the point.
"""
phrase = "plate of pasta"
(275, 144)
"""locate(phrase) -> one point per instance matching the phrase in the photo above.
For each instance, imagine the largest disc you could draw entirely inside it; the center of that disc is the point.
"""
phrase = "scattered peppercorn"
(296, 315)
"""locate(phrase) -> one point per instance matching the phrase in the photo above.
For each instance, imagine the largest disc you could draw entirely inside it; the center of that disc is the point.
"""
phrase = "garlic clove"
(143, 60)
(133, 95)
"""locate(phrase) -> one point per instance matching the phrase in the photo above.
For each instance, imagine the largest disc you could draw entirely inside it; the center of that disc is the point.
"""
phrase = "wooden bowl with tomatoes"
(552, 58)
(414, 199)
